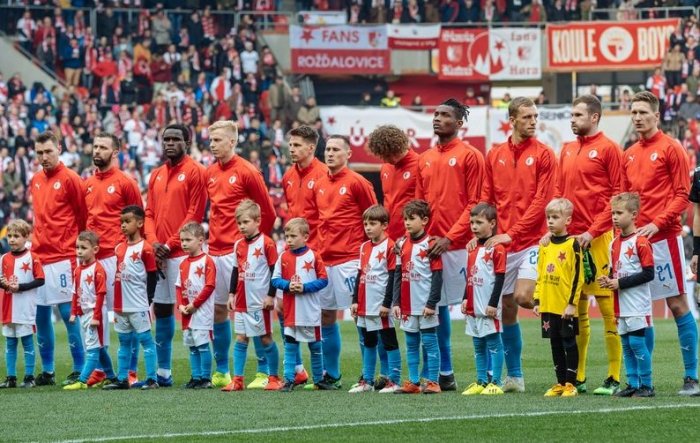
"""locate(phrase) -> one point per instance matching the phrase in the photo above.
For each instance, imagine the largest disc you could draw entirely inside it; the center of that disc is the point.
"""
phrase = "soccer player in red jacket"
(520, 181)
(177, 195)
(656, 168)
(229, 181)
(58, 198)
(341, 197)
(107, 192)
(450, 177)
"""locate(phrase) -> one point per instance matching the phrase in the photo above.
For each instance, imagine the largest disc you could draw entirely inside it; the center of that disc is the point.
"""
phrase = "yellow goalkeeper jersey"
(559, 275)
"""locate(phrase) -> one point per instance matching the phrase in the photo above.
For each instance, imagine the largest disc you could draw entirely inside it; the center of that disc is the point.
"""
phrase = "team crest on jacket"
(311, 184)
(232, 179)
(110, 190)
(654, 156)
(181, 177)
(550, 268)
(343, 190)
(529, 161)
(593, 154)
(453, 161)
(407, 175)
(57, 185)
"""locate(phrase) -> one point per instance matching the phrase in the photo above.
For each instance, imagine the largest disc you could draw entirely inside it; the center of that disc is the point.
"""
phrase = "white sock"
(298, 368)
(165, 373)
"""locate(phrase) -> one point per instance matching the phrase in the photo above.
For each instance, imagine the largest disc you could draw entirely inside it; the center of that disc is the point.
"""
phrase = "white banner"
(323, 17)
(515, 54)
(365, 38)
(358, 123)
(553, 126)
(413, 36)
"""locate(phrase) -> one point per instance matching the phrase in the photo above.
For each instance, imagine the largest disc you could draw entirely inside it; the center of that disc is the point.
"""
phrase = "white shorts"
(17, 330)
(196, 337)
(58, 286)
(165, 289)
(625, 325)
(669, 268)
(414, 323)
(224, 268)
(110, 266)
(482, 326)
(306, 334)
(454, 279)
(94, 337)
(375, 322)
(521, 265)
(252, 324)
(337, 296)
(127, 322)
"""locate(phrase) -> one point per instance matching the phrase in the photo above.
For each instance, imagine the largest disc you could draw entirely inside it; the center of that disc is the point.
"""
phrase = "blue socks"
(74, 340)
(149, 353)
(91, 363)
(649, 338)
(494, 346)
(513, 349)
(134, 362)
(290, 350)
(630, 362)
(195, 363)
(369, 363)
(45, 338)
(430, 343)
(316, 350)
(260, 354)
(222, 344)
(637, 360)
(331, 350)
(688, 337)
(384, 367)
(11, 356)
(299, 361)
(272, 355)
(394, 364)
(28, 346)
(124, 355)
(205, 361)
(240, 352)
(106, 362)
(165, 331)
(413, 356)
(480, 358)
(444, 337)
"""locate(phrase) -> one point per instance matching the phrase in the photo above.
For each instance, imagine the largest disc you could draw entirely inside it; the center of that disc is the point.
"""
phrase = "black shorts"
(553, 326)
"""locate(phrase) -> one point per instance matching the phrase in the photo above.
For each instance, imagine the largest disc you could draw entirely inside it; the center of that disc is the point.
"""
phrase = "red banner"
(597, 46)
(459, 50)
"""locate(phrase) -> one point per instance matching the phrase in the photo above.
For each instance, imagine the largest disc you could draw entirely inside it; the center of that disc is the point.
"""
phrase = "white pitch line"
(378, 422)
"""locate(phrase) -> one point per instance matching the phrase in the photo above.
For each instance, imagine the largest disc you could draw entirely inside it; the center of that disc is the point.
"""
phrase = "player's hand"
(544, 241)
(161, 250)
(603, 281)
(71, 319)
(536, 310)
(464, 307)
(397, 312)
(614, 284)
(471, 245)
(353, 310)
(190, 308)
(182, 309)
(648, 230)
(694, 264)
(398, 245)
(497, 240)
(269, 303)
(584, 240)
(491, 312)
(569, 312)
(440, 245)
(384, 312)
(13, 287)
(427, 312)
(231, 301)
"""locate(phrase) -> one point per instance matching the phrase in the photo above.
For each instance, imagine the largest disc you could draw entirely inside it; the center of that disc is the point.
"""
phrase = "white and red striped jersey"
(301, 309)
(134, 262)
(20, 307)
(628, 256)
(253, 260)
(195, 284)
(482, 266)
(89, 289)
(416, 274)
(376, 260)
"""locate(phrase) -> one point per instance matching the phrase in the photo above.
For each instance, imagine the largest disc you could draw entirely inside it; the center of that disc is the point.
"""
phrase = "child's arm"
(396, 296)
(435, 292)
(538, 285)
(101, 294)
(321, 277)
(356, 294)
(209, 285)
(646, 259)
(576, 283)
(148, 256)
(151, 283)
(232, 288)
(39, 278)
(499, 263)
(388, 295)
(277, 281)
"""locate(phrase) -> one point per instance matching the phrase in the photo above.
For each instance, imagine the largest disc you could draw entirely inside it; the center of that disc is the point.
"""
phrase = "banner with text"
(358, 123)
(340, 50)
(323, 17)
(553, 126)
(496, 54)
(608, 45)
(413, 37)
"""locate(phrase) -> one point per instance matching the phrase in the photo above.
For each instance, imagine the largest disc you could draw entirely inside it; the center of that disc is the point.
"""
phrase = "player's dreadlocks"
(461, 111)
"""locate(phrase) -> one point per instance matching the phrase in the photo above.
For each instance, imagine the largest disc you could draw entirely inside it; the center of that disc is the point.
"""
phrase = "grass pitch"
(49, 414)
